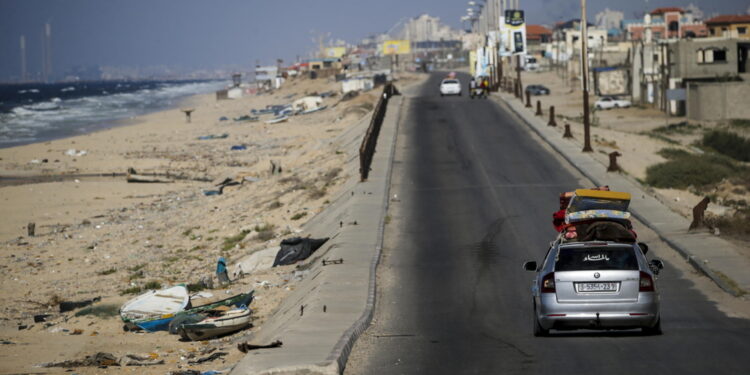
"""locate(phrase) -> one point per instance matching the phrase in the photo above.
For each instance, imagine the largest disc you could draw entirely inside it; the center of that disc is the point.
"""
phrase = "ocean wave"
(60, 117)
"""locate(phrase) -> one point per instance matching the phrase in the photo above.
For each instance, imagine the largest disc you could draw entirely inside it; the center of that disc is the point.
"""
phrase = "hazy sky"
(214, 33)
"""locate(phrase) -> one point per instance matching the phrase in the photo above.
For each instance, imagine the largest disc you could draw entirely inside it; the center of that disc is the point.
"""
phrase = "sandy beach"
(98, 236)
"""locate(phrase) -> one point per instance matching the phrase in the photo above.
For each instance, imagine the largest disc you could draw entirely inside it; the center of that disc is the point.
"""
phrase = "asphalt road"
(474, 197)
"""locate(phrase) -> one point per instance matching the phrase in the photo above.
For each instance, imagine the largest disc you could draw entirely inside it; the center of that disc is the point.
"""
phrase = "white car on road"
(608, 102)
(450, 86)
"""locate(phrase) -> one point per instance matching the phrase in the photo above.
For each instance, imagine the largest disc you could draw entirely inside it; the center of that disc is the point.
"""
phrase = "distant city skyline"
(193, 34)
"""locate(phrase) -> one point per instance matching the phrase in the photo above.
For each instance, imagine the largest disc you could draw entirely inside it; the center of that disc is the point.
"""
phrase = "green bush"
(684, 170)
(673, 153)
(152, 285)
(100, 311)
(740, 122)
(729, 144)
(230, 242)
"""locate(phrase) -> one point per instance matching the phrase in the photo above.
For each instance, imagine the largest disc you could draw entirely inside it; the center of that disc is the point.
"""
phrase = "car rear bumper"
(607, 315)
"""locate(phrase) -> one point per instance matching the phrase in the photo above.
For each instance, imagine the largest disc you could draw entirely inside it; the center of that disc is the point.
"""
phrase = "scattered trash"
(134, 177)
(141, 360)
(246, 347)
(210, 358)
(251, 179)
(221, 271)
(97, 360)
(246, 118)
(296, 249)
(74, 152)
(334, 261)
(223, 118)
(238, 148)
(70, 306)
(77, 332)
(213, 136)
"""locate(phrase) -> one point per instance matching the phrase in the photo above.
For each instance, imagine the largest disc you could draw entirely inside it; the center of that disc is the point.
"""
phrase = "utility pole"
(23, 58)
(585, 72)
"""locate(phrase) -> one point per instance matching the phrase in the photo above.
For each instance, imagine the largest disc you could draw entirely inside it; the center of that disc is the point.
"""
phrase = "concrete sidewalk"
(716, 258)
(320, 320)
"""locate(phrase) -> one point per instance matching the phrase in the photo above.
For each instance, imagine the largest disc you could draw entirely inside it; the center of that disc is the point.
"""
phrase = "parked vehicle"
(598, 285)
(530, 63)
(450, 86)
(608, 102)
(537, 90)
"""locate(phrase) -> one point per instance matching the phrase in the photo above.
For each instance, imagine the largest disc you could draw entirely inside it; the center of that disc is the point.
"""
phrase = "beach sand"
(98, 236)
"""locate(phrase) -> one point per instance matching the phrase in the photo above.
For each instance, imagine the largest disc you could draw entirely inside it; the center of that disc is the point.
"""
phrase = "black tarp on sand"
(296, 249)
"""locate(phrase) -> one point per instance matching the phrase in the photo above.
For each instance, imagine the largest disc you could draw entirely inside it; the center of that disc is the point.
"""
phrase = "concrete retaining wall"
(718, 101)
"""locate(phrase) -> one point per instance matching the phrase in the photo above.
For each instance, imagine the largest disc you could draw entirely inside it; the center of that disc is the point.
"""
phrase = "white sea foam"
(59, 117)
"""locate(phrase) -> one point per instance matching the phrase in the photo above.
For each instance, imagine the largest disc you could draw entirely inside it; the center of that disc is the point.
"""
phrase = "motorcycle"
(478, 92)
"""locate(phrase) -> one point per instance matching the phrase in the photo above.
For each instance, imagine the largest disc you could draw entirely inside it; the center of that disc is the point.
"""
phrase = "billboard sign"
(513, 25)
(334, 52)
(396, 47)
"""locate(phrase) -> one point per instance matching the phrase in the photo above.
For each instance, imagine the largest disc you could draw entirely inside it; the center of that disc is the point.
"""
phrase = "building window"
(713, 31)
(742, 30)
(674, 26)
(720, 55)
(711, 56)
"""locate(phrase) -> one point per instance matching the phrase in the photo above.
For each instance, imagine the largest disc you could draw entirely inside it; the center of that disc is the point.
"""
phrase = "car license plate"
(597, 287)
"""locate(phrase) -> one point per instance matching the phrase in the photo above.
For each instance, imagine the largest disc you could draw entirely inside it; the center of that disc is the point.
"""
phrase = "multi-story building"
(666, 23)
(731, 26)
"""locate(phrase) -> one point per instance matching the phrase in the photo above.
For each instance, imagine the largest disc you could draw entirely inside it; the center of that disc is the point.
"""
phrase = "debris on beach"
(296, 249)
(246, 346)
(213, 136)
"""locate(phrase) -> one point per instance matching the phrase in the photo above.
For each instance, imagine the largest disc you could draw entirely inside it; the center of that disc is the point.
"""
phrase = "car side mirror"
(644, 247)
(530, 266)
(656, 265)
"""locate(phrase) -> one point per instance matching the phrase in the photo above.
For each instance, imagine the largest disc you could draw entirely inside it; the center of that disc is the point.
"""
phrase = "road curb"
(691, 258)
(343, 348)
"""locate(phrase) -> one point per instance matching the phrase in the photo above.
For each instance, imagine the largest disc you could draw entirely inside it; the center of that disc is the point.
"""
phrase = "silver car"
(596, 285)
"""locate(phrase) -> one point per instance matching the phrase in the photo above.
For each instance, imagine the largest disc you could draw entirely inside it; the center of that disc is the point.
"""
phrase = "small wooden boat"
(277, 120)
(155, 305)
(164, 322)
(224, 323)
(314, 110)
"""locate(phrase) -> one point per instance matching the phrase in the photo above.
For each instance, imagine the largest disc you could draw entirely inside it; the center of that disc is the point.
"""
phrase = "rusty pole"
(528, 99)
(538, 108)
(552, 121)
(613, 166)
(567, 133)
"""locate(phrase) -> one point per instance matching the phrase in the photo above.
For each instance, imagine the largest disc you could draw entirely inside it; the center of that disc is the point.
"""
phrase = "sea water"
(32, 113)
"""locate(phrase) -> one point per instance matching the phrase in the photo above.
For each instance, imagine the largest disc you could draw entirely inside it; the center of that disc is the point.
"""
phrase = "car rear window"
(449, 81)
(596, 258)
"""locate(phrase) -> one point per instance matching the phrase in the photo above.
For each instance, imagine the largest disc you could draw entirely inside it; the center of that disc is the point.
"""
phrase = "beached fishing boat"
(314, 110)
(155, 305)
(164, 323)
(224, 323)
(277, 120)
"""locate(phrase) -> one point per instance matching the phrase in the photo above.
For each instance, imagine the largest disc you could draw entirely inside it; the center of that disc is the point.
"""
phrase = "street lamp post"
(585, 73)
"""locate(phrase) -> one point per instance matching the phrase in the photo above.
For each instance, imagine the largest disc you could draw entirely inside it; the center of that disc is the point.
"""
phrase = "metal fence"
(367, 149)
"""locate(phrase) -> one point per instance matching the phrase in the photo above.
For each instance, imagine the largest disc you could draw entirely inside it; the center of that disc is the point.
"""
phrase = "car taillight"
(646, 283)
(548, 283)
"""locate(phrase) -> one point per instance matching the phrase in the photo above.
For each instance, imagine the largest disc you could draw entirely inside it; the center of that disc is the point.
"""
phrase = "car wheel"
(598, 108)
(441, 94)
(617, 105)
(653, 331)
(539, 331)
